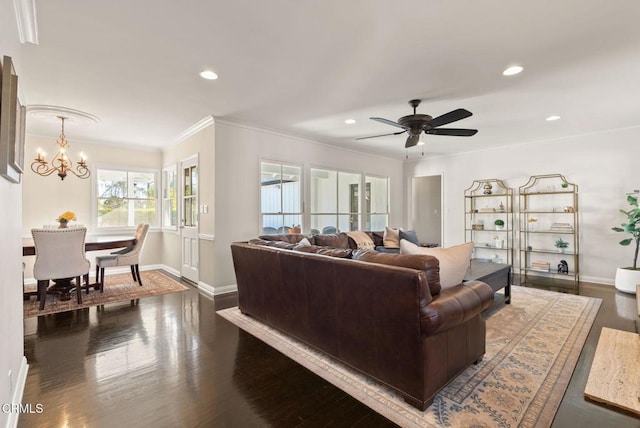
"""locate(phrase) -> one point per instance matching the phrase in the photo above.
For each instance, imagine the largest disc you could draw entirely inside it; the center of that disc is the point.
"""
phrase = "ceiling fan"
(415, 124)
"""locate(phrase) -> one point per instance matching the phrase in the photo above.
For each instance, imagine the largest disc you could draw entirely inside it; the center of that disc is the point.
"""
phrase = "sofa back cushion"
(335, 240)
(428, 264)
(454, 261)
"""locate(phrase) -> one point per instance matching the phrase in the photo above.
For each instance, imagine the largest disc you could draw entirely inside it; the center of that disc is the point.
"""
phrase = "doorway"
(426, 209)
(189, 220)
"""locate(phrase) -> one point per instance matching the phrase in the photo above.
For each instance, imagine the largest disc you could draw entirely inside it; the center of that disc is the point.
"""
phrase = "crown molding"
(194, 129)
(47, 111)
(26, 20)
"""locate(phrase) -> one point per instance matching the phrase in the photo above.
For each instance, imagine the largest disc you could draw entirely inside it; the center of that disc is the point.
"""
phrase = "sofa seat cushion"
(383, 249)
(427, 264)
(454, 261)
(343, 253)
(277, 244)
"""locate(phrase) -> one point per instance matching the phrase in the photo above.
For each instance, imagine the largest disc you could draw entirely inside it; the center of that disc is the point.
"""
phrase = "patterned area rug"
(532, 349)
(117, 288)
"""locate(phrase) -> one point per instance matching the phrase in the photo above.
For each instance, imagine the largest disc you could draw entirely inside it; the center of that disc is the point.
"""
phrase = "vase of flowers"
(64, 219)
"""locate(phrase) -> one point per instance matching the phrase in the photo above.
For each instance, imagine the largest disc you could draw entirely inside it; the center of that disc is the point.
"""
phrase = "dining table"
(65, 286)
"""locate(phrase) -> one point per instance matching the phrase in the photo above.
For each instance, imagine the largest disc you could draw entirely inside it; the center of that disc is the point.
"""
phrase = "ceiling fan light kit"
(416, 125)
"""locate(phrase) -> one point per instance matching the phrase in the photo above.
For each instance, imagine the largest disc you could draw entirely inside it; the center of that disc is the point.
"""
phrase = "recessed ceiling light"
(350, 121)
(512, 70)
(209, 75)
(552, 118)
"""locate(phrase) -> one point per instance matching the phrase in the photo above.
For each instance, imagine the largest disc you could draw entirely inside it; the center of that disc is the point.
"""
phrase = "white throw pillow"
(454, 261)
(304, 242)
(391, 238)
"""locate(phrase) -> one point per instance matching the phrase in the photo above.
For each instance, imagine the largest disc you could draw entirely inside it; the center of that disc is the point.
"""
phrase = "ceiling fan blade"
(412, 140)
(457, 132)
(452, 116)
(383, 135)
(387, 121)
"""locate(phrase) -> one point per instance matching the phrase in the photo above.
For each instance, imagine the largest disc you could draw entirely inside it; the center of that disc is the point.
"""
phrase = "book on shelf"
(561, 227)
(540, 266)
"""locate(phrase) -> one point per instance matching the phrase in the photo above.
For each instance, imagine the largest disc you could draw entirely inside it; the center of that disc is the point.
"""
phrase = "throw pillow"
(304, 242)
(361, 239)
(409, 235)
(391, 238)
(454, 261)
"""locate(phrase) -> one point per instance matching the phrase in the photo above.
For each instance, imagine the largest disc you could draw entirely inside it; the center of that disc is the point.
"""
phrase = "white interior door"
(189, 221)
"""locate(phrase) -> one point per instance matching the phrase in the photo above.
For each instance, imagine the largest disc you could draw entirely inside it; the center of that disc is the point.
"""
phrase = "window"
(376, 202)
(125, 198)
(280, 198)
(335, 201)
(169, 198)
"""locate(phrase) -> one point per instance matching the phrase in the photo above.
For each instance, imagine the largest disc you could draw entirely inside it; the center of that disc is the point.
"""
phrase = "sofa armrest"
(455, 306)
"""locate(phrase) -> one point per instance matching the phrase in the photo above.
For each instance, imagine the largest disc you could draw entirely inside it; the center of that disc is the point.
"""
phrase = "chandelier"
(60, 163)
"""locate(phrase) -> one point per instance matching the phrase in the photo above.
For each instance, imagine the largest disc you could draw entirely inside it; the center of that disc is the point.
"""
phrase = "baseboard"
(211, 291)
(18, 392)
(597, 280)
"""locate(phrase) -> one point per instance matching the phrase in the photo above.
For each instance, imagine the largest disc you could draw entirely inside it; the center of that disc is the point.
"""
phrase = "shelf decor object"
(549, 244)
(489, 220)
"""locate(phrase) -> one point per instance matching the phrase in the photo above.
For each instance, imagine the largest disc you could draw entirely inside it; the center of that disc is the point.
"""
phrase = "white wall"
(47, 197)
(603, 165)
(12, 362)
(239, 150)
(203, 144)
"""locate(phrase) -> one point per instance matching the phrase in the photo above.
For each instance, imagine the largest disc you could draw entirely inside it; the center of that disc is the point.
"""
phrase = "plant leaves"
(617, 229)
(626, 241)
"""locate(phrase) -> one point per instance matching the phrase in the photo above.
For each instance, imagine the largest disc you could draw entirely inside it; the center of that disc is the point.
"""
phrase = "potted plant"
(294, 229)
(628, 277)
(561, 245)
(499, 224)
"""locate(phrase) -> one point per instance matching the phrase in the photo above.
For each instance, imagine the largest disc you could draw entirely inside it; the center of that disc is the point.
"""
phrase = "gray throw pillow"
(409, 235)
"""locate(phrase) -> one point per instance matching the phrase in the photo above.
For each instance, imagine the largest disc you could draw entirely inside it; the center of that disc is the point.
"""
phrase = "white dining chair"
(129, 256)
(60, 255)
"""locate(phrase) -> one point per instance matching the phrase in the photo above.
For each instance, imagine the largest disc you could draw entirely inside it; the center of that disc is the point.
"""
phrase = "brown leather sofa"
(382, 314)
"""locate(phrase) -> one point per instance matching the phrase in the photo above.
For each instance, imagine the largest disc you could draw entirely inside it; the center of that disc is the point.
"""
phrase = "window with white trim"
(376, 211)
(280, 198)
(125, 198)
(169, 197)
(335, 201)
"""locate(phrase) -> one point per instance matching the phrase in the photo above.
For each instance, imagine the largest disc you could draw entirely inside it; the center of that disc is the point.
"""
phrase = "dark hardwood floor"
(170, 361)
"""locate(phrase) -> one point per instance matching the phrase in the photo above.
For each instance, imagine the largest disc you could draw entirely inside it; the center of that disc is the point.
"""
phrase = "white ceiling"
(303, 67)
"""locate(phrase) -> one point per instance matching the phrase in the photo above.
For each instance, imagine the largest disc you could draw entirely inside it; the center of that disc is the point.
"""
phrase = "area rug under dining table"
(117, 288)
(533, 346)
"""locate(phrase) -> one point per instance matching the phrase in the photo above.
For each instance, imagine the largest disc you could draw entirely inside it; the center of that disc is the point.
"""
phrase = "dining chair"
(60, 256)
(129, 256)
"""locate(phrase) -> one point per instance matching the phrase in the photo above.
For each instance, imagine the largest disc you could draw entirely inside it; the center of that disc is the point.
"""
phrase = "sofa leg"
(418, 404)
(478, 361)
